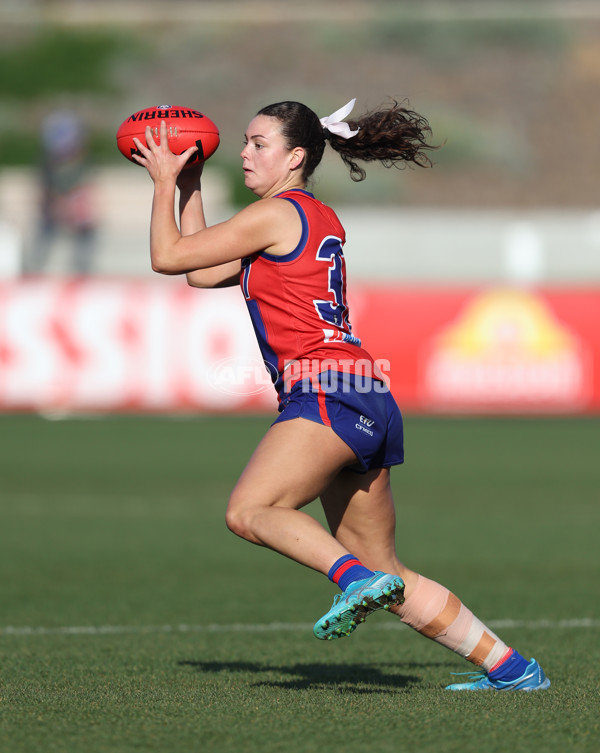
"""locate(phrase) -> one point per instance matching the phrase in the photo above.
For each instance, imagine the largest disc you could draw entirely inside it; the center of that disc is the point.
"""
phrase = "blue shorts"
(361, 411)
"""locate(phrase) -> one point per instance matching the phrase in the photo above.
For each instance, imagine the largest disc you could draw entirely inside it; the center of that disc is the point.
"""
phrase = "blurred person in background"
(67, 201)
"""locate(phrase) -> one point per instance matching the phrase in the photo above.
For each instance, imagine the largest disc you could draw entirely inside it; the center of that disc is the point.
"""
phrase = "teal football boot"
(357, 602)
(532, 679)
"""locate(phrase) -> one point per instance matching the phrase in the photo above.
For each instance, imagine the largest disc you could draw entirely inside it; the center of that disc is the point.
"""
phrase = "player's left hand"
(162, 164)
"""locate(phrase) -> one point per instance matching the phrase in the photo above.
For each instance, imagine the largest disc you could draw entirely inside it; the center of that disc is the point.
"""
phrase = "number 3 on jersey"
(333, 311)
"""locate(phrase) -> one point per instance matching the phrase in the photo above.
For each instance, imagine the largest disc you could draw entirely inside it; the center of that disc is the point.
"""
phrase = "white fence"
(398, 244)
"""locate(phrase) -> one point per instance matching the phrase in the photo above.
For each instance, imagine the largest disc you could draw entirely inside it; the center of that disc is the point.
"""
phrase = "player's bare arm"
(192, 220)
(271, 225)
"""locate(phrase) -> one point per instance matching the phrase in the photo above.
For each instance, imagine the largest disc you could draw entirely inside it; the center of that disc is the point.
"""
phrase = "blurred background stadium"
(131, 619)
(494, 254)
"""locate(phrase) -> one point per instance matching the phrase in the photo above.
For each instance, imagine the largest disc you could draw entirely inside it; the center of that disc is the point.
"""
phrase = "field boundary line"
(269, 627)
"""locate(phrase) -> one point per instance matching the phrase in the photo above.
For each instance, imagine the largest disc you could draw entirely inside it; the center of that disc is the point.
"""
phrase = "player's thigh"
(293, 463)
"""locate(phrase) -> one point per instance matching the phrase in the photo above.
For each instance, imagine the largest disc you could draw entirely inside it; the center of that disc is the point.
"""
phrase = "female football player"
(339, 430)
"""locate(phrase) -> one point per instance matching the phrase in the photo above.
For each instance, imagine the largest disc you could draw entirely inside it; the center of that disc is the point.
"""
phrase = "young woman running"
(339, 429)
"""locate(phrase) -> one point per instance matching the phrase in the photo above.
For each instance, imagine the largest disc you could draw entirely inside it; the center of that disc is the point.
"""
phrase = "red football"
(185, 127)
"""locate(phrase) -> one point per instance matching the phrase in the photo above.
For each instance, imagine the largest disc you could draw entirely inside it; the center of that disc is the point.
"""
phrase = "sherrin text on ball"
(186, 127)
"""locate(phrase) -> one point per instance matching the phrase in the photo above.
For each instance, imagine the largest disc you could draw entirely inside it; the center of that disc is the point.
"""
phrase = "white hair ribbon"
(333, 123)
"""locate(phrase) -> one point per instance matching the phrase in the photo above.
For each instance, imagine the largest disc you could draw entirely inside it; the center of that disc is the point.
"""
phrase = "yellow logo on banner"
(507, 349)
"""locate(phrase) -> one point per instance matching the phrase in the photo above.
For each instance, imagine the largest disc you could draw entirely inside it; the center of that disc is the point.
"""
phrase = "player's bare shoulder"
(289, 224)
(275, 221)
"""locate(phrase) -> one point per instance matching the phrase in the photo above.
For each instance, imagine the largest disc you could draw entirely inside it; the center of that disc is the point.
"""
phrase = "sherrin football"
(185, 127)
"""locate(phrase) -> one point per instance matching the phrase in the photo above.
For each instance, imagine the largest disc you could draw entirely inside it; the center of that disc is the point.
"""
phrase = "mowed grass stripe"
(272, 627)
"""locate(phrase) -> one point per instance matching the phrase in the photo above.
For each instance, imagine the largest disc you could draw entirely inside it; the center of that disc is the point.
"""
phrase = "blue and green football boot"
(532, 679)
(357, 602)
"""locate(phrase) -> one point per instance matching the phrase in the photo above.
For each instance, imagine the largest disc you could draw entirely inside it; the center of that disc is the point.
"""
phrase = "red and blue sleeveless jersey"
(297, 302)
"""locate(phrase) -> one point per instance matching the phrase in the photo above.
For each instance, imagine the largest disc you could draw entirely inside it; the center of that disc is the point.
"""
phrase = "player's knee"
(238, 518)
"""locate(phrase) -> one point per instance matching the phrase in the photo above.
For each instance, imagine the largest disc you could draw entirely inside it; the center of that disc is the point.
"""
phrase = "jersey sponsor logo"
(334, 335)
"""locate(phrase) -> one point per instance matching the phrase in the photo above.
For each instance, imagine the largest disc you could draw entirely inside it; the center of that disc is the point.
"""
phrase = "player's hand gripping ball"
(185, 128)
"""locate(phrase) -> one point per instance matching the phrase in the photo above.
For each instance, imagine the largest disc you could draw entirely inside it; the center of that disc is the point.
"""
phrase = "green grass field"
(133, 621)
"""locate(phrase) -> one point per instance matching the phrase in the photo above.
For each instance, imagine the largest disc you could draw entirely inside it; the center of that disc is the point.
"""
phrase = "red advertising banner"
(158, 345)
(491, 350)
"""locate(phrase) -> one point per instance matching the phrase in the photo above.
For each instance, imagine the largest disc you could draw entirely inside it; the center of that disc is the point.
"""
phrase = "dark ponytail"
(392, 136)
